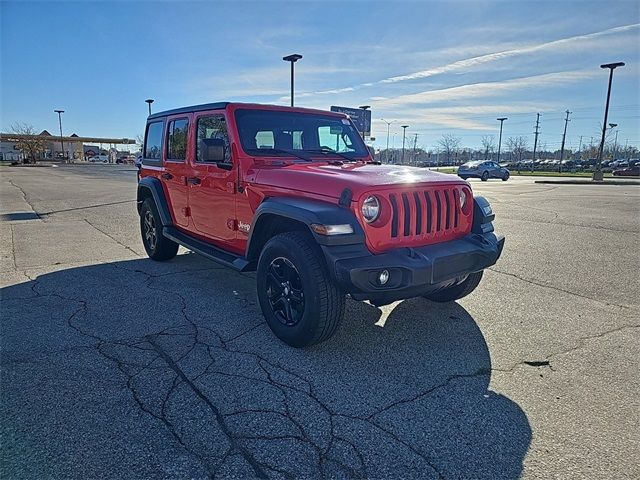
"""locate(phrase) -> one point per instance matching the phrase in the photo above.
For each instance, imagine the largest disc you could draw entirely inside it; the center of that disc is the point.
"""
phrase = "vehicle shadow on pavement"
(145, 369)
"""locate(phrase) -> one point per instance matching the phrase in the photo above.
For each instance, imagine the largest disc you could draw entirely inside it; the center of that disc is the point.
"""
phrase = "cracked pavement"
(115, 366)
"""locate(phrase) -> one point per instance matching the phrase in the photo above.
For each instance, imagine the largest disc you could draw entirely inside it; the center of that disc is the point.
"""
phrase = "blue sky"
(441, 67)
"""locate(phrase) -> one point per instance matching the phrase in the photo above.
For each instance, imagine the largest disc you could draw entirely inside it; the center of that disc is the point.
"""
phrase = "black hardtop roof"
(222, 105)
(192, 108)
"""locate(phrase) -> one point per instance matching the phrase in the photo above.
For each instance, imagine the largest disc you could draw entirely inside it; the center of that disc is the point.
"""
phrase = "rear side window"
(153, 142)
(177, 139)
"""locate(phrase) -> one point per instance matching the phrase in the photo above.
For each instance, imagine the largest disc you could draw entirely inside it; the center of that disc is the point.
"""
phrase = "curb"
(589, 182)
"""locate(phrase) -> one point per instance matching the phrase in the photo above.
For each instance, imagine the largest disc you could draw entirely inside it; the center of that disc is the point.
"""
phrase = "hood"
(331, 180)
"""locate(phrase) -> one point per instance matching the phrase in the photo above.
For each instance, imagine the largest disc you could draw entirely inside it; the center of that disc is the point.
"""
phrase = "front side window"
(153, 141)
(212, 130)
(268, 133)
(177, 139)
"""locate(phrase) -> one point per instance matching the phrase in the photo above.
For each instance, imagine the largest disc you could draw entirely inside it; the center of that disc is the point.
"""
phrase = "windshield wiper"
(331, 151)
(286, 152)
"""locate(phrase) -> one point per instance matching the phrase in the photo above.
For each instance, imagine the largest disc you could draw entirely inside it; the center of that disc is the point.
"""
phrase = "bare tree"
(449, 144)
(518, 146)
(489, 145)
(30, 146)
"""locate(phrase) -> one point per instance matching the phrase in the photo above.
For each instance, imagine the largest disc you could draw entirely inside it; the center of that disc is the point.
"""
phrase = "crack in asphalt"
(113, 238)
(13, 247)
(218, 416)
(558, 289)
(52, 212)
(24, 197)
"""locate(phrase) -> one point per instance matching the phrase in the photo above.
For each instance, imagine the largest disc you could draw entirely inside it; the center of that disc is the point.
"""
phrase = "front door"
(212, 185)
(176, 168)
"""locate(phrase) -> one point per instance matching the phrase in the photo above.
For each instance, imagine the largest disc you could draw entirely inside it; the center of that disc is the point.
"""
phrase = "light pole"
(364, 108)
(388, 127)
(60, 112)
(501, 120)
(615, 142)
(404, 132)
(597, 175)
(293, 58)
(149, 101)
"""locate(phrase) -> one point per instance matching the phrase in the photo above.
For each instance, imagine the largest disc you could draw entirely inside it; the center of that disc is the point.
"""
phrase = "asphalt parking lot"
(114, 366)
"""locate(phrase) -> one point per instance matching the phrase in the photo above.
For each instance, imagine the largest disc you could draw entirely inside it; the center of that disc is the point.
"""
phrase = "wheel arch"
(150, 187)
(275, 216)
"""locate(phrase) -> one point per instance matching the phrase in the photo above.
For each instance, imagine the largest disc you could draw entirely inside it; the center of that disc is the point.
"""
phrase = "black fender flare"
(154, 187)
(483, 215)
(308, 212)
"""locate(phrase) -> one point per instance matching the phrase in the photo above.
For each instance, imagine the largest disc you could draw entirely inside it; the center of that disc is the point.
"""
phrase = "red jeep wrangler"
(294, 194)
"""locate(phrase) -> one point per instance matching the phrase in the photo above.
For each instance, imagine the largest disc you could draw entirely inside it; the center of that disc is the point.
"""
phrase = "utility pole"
(60, 112)
(580, 149)
(415, 141)
(501, 120)
(564, 136)
(535, 139)
(404, 132)
(388, 128)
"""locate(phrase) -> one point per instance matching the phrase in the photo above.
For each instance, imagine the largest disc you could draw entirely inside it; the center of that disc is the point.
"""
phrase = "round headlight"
(370, 209)
(463, 199)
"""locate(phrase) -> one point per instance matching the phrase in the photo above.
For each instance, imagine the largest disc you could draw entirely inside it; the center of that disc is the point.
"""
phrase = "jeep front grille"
(430, 213)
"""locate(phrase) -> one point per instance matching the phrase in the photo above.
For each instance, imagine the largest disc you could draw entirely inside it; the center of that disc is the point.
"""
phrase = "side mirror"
(212, 150)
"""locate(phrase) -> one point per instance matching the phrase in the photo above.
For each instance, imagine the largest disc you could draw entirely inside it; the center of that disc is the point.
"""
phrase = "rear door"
(212, 185)
(176, 168)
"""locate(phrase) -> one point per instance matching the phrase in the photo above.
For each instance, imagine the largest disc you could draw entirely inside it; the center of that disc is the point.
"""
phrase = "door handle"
(193, 180)
(166, 176)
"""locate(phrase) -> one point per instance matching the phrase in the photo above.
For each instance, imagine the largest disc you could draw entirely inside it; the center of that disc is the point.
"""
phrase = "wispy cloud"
(484, 89)
(472, 62)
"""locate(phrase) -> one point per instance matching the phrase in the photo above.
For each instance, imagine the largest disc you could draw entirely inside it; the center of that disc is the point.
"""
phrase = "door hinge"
(186, 211)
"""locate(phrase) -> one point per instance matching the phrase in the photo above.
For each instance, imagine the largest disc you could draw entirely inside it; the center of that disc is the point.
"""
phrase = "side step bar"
(214, 253)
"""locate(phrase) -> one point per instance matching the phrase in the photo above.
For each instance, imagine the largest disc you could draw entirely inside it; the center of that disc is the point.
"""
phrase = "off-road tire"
(485, 176)
(324, 302)
(158, 247)
(457, 291)
(505, 177)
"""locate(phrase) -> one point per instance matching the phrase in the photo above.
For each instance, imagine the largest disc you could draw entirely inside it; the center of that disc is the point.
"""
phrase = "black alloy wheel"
(285, 292)
(150, 231)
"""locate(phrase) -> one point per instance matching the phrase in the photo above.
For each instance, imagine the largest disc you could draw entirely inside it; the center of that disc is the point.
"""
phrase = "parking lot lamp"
(149, 101)
(597, 175)
(60, 112)
(615, 142)
(388, 127)
(404, 133)
(293, 58)
(501, 119)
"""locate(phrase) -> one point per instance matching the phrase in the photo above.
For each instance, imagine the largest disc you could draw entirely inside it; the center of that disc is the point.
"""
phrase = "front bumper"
(413, 271)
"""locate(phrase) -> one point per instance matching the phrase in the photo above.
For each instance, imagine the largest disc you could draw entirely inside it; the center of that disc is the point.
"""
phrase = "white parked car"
(99, 159)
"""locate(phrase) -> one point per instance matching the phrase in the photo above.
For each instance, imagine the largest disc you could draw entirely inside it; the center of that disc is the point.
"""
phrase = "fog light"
(383, 277)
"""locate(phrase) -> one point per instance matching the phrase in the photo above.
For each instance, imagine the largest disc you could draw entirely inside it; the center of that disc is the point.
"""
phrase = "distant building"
(74, 147)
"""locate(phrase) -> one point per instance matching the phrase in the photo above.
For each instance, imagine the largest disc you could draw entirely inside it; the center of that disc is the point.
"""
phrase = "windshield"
(274, 133)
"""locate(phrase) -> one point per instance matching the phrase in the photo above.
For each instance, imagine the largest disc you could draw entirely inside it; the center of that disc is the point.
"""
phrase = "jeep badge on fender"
(293, 194)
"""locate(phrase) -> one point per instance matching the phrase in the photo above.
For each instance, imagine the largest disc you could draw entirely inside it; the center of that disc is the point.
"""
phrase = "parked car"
(483, 170)
(627, 172)
(99, 159)
(294, 195)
